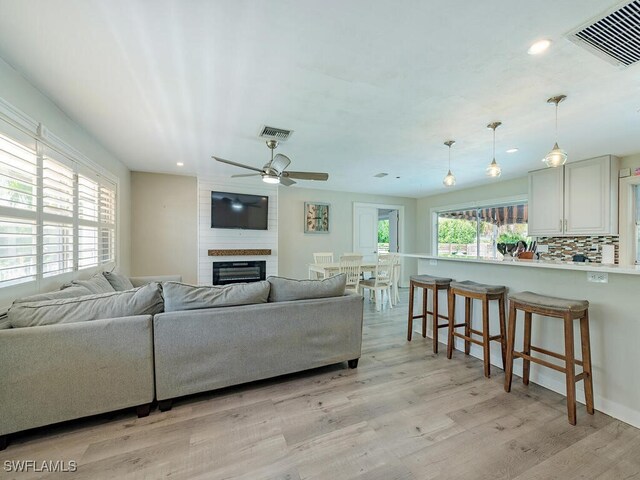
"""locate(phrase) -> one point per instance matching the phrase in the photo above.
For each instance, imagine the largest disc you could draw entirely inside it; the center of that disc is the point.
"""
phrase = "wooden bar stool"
(568, 310)
(434, 284)
(470, 291)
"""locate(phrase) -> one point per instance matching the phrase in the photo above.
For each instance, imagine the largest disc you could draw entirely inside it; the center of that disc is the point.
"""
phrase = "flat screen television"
(236, 210)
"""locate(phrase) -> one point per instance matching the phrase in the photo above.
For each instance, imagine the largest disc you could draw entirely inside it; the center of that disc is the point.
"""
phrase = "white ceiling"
(368, 86)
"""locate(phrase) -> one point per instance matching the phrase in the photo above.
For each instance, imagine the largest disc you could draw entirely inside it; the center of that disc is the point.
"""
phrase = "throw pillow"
(285, 289)
(181, 296)
(96, 284)
(145, 300)
(118, 282)
(70, 292)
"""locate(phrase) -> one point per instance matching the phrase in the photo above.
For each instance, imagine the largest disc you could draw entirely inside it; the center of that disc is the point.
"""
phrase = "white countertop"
(515, 262)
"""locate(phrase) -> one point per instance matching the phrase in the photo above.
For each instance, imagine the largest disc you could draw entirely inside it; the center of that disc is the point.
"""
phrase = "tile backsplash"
(564, 248)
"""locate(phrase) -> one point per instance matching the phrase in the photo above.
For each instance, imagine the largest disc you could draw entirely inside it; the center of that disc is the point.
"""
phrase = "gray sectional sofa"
(60, 359)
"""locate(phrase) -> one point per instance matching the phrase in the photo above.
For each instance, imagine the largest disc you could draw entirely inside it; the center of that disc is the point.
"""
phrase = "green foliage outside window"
(511, 237)
(383, 231)
(456, 231)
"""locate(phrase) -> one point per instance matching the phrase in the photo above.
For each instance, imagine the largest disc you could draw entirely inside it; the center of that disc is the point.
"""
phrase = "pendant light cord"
(557, 121)
(449, 158)
(494, 144)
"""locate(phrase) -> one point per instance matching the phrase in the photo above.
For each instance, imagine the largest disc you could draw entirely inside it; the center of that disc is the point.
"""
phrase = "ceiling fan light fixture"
(450, 179)
(494, 170)
(273, 179)
(557, 156)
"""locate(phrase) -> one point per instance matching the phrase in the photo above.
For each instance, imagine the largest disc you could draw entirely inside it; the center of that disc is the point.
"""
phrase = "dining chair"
(381, 282)
(322, 258)
(395, 277)
(351, 265)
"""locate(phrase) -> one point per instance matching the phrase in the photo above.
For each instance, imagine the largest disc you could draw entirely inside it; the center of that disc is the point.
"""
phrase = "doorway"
(378, 228)
(388, 224)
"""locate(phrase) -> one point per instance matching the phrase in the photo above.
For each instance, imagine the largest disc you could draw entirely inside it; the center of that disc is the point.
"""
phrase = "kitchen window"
(56, 215)
(475, 232)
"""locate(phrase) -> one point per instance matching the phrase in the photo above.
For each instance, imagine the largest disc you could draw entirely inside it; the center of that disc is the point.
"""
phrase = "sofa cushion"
(95, 284)
(181, 296)
(71, 292)
(145, 300)
(118, 282)
(286, 289)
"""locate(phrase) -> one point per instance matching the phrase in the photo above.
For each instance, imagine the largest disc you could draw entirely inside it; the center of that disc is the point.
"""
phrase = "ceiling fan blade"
(229, 162)
(287, 182)
(279, 163)
(307, 175)
(246, 175)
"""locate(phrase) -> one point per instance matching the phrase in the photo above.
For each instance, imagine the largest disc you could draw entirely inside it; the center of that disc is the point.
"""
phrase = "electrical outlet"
(598, 277)
(433, 262)
(542, 248)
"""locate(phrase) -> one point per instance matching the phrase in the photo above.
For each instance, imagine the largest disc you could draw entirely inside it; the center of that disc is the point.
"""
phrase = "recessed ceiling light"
(180, 164)
(512, 150)
(539, 47)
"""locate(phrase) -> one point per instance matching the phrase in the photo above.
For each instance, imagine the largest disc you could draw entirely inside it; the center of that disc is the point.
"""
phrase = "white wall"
(164, 225)
(297, 248)
(218, 238)
(16, 90)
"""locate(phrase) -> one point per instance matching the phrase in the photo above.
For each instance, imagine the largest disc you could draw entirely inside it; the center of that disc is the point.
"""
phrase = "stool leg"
(503, 330)
(424, 312)
(434, 317)
(452, 314)
(586, 362)
(526, 364)
(485, 337)
(467, 323)
(570, 368)
(511, 335)
(412, 288)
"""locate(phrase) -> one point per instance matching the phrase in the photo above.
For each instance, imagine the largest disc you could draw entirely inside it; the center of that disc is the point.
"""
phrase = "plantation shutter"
(58, 208)
(18, 207)
(107, 213)
(88, 245)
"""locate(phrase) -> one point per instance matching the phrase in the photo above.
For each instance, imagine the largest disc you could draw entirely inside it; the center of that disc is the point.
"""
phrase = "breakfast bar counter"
(614, 298)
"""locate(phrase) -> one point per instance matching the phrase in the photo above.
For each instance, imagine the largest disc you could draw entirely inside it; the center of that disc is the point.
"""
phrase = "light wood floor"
(403, 414)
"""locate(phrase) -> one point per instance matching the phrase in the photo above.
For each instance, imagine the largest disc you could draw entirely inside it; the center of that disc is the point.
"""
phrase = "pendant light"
(557, 156)
(450, 179)
(494, 170)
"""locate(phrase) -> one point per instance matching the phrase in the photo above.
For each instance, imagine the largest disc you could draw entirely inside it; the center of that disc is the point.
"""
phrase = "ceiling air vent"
(272, 133)
(614, 37)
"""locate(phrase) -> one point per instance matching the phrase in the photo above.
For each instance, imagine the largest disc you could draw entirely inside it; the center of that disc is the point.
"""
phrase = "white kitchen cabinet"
(578, 199)
(591, 196)
(546, 200)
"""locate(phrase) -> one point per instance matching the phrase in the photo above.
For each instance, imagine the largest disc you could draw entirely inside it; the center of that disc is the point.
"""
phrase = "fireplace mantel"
(239, 252)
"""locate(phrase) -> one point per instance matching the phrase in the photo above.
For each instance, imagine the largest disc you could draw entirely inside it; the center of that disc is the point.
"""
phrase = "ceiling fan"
(274, 170)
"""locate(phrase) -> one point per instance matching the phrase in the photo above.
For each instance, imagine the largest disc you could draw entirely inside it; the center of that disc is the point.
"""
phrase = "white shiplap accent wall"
(221, 238)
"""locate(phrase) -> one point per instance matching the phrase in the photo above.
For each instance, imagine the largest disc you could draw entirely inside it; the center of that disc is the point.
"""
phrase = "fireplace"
(238, 272)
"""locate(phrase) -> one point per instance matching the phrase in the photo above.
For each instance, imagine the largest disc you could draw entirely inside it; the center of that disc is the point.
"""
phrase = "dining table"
(326, 270)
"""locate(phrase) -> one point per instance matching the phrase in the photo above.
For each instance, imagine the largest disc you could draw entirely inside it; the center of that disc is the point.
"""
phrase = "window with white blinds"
(56, 216)
(88, 245)
(18, 209)
(107, 212)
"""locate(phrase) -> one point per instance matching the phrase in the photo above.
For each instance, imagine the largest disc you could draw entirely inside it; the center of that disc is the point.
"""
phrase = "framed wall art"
(316, 217)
